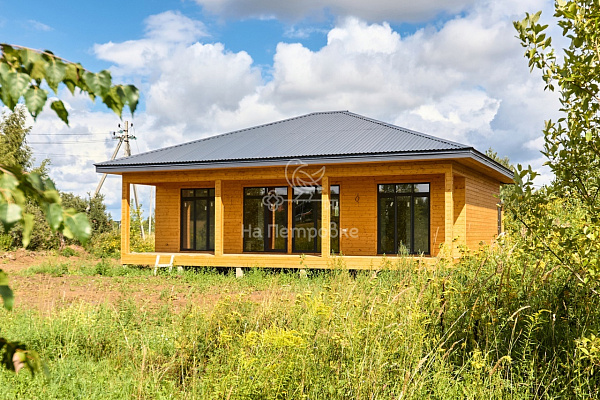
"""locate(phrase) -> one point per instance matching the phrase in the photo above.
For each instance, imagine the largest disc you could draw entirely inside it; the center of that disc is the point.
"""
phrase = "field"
(111, 332)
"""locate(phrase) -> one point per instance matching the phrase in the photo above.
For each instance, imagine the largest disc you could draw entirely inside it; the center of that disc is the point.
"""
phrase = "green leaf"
(115, 100)
(132, 94)
(98, 84)
(11, 54)
(38, 71)
(4, 70)
(27, 228)
(10, 214)
(60, 110)
(5, 291)
(36, 181)
(34, 64)
(67, 233)
(73, 76)
(588, 136)
(35, 98)
(17, 83)
(55, 73)
(6, 98)
(79, 226)
(54, 216)
(8, 181)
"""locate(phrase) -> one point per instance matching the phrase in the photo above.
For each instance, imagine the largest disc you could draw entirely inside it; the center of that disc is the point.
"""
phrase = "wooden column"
(125, 215)
(449, 207)
(325, 218)
(219, 222)
(290, 221)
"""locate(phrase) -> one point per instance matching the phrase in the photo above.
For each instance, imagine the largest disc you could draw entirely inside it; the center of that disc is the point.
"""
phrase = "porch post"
(325, 218)
(218, 218)
(449, 208)
(125, 215)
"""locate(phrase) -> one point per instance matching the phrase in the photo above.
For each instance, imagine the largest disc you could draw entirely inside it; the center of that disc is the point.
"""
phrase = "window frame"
(318, 226)
(265, 222)
(210, 219)
(395, 196)
(315, 248)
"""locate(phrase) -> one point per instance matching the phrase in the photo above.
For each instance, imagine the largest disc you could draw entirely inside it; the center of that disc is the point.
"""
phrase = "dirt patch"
(47, 293)
(19, 260)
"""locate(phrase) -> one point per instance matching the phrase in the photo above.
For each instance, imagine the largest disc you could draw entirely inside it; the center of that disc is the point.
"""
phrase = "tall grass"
(496, 325)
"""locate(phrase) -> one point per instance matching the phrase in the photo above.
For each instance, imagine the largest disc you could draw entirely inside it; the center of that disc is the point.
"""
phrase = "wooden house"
(300, 192)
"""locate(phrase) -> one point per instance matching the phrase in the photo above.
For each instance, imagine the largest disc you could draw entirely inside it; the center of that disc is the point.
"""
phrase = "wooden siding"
(481, 198)
(358, 210)
(460, 213)
(462, 207)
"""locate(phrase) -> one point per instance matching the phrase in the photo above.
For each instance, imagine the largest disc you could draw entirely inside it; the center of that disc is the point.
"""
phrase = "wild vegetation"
(517, 319)
(503, 323)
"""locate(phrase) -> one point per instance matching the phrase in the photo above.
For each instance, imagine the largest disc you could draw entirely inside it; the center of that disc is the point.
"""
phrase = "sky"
(452, 68)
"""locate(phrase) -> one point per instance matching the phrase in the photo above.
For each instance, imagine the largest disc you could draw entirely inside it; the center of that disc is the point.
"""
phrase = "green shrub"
(139, 245)
(6, 242)
(49, 267)
(106, 244)
(68, 252)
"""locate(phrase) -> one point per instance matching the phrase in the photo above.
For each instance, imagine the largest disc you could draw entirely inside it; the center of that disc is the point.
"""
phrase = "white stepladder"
(157, 264)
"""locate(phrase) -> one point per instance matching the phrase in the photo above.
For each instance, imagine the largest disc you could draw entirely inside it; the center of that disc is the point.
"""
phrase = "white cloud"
(163, 32)
(465, 80)
(390, 10)
(39, 26)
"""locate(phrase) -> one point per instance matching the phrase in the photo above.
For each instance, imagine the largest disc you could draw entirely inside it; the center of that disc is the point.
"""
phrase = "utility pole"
(123, 137)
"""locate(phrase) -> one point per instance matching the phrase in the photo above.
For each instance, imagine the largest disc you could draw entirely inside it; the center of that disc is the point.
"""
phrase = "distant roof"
(335, 136)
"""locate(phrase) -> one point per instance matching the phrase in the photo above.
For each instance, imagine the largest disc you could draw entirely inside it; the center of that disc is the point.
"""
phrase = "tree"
(572, 143)
(13, 139)
(25, 75)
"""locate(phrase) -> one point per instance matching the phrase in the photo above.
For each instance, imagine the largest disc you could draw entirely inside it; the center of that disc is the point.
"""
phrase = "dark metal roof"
(322, 135)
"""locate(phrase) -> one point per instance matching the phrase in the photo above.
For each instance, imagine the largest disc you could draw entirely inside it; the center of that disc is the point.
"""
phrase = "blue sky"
(452, 69)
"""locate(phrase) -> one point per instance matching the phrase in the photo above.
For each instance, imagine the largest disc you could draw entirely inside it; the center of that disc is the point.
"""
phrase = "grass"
(443, 332)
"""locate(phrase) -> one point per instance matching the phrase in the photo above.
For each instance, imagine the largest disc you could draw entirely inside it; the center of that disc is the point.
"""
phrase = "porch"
(360, 201)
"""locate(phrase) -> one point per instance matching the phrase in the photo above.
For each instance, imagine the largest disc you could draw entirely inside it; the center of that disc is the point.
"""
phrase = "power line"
(73, 142)
(67, 134)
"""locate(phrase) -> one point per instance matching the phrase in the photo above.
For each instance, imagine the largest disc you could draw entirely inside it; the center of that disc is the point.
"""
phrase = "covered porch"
(359, 189)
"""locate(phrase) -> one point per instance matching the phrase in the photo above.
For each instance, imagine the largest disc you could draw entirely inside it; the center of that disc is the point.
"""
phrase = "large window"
(306, 231)
(403, 218)
(265, 219)
(197, 219)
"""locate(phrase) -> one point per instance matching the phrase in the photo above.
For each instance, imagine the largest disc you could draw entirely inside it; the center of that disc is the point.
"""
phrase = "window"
(403, 218)
(197, 219)
(306, 217)
(265, 219)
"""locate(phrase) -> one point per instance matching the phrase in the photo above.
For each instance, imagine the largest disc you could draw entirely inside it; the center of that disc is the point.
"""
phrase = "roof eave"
(329, 159)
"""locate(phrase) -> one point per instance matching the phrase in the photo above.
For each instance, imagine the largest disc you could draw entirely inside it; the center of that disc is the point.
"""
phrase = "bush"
(6, 242)
(42, 237)
(139, 245)
(106, 244)
(68, 252)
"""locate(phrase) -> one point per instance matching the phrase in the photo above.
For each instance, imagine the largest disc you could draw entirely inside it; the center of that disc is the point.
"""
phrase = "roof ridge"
(437, 139)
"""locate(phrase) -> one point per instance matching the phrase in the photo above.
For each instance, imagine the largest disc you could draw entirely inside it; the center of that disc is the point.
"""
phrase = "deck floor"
(271, 260)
